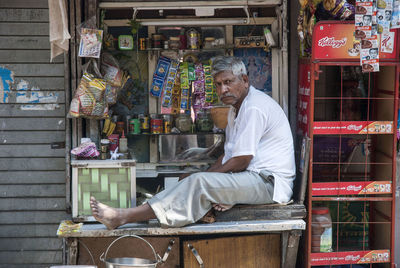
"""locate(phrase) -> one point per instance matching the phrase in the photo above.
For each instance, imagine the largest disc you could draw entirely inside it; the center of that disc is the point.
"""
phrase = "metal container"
(130, 262)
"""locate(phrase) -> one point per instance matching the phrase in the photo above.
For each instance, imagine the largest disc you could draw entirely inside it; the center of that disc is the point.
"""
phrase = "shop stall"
(147, 91)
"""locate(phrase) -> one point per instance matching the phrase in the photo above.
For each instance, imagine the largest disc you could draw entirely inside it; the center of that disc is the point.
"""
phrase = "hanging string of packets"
(373, 21)
(183, 85)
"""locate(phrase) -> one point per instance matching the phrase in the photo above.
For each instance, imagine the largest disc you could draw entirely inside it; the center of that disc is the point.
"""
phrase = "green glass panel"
(122, 170)
(104, 182)
(95, 175)
(117, 178)
(86, 201)
(113, 191)
(122, 199)
(85, 171)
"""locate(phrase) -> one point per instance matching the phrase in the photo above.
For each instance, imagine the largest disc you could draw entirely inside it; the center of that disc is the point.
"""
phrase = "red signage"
(303, 98)
(351, 188)
(333, 41)
(350, 257)
(353, 127)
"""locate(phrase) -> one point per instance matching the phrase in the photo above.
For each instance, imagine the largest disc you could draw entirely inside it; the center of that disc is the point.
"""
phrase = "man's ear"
(245, 78)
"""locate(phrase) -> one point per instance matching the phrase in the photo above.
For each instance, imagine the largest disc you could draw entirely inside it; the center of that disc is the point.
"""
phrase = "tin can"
(156, 126)
(144, 123)
(134, 126)
(167, 119)
(142, 43)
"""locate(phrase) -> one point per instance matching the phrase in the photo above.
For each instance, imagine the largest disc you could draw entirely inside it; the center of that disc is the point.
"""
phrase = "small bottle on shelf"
(123, 144)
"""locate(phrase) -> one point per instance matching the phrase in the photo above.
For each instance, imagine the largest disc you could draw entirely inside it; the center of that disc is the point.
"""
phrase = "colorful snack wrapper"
(162, 67)
(170, 82)
(395, 23)
(156, 86)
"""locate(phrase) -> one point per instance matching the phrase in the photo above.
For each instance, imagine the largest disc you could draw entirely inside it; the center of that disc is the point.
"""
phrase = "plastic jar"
(192, 39)
(183, 122)
(120, 128)
(209, 42)
(321, 230)
(174, 42)
(204, 122)
(156, 40)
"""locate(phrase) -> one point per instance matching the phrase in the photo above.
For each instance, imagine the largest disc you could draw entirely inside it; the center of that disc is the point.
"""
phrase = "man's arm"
(217, 164)
(235, 164)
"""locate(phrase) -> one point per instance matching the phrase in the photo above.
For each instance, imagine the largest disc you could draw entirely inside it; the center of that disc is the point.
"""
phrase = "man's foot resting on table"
(110, 217)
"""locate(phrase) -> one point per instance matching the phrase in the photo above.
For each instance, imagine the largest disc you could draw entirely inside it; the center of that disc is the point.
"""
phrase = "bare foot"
(110, 217)
(221, 207)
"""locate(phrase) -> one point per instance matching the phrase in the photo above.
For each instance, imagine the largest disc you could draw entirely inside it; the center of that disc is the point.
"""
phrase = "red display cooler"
(350, 117)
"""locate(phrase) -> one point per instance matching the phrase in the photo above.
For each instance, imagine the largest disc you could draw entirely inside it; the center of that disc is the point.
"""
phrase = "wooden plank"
(30, 257)
(28, 230)
(32, 124)
(33, 217)
(50, 69)
(31, 96)
(43, 150)
(29, 190)
(24, 42)
(242, 251)
(22, 177)
(24, 244)
(24, 15)
(32, 110)
(16, 164)
(23, 4)
(10, 265)
(24, 28)
(16, 204)
(153, 228)
(43, 83)
(28, 56)
(31, 137)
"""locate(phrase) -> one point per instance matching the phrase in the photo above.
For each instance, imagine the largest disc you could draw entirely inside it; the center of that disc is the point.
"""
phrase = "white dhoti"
(192, 198)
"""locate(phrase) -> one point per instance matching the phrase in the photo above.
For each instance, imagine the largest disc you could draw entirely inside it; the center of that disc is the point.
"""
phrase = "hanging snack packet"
(384, 15)
(159, 76)
(395, 22)
(339, 9)
(90, 45)
(169, 84)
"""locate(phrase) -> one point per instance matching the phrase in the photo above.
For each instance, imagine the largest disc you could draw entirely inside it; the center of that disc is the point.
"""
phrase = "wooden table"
(289, 232)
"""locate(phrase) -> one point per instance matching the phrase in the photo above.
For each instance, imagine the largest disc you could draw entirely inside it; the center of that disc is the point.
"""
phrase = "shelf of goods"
(352, 118)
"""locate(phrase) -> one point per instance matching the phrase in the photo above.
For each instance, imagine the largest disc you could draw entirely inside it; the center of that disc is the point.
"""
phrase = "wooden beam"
(189, 4)
(256, 21)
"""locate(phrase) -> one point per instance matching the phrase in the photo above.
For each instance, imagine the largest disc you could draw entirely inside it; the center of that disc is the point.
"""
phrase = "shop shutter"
(32, 118)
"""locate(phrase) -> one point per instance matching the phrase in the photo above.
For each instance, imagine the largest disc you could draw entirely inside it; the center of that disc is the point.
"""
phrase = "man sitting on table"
(257, 166)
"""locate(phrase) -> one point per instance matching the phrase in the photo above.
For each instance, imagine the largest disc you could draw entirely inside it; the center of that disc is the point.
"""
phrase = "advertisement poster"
(351, 188)
(350, 257)
(303, 94)
(353, 127)
(259, 67)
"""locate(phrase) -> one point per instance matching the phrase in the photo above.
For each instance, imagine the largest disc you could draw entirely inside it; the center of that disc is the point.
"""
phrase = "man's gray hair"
(226, 63)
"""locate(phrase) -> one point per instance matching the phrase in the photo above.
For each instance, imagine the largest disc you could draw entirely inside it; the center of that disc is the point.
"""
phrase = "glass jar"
(156, 40)
(204, 122)
(174, 42)
(209, 42)
(167, 120)
(321, 230)
(120, 128)
(183, 122)
(193, 39)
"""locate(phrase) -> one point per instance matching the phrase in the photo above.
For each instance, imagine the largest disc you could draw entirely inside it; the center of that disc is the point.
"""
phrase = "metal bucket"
(130, 262)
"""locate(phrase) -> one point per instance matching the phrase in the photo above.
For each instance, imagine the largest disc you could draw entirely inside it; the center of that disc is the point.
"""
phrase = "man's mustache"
(227, 95)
